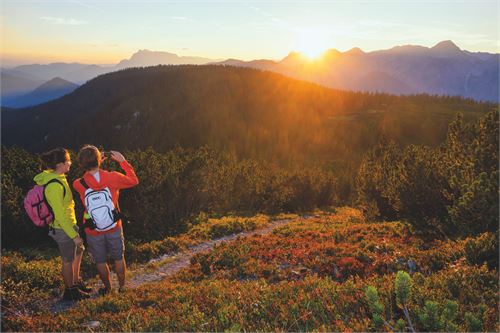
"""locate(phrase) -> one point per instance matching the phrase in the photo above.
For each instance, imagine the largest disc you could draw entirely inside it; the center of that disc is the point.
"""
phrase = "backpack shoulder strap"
(84, 183)
(55, 181)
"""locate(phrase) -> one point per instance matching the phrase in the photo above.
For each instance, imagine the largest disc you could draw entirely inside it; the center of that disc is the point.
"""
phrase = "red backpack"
(37, 206)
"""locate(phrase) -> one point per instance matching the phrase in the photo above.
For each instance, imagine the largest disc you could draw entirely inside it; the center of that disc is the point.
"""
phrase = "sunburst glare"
(311, 42)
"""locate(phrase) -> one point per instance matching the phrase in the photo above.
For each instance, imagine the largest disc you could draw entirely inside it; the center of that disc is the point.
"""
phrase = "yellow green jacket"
(62, 205)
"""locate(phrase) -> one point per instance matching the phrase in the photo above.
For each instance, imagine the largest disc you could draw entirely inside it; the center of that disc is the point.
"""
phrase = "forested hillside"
(253, 113)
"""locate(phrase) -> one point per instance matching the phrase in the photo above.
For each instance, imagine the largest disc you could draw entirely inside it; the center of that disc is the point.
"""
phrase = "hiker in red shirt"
(99, 191)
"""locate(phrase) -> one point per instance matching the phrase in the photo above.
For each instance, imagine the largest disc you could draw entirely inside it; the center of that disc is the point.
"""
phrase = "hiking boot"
(83, 287)
(103, 291)
(74, 294)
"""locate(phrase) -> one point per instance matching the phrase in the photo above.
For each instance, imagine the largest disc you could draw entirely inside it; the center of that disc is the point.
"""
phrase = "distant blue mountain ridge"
(443, 69)
(47, 91)
(18, 83)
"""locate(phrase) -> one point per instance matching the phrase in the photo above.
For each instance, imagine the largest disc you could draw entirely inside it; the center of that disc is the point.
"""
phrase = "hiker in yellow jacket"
(64, 230)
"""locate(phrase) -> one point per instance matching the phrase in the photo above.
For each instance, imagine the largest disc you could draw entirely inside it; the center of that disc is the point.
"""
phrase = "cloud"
(63, 20)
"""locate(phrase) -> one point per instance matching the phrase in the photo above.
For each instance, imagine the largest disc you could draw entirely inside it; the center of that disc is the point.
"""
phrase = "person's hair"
(89, 157)
(52, 158)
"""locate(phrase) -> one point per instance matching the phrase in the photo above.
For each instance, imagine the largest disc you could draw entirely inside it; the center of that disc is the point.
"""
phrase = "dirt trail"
(170, 264)
(181, 260)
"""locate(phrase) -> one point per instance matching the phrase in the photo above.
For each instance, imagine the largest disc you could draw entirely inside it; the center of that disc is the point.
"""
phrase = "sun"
(311, 42)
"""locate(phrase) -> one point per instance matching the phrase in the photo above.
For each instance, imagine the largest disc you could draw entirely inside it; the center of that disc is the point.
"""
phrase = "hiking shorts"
(108, 243)
(67, 247)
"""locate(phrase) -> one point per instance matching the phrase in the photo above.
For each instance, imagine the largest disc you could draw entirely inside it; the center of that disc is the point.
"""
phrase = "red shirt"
(113, 180)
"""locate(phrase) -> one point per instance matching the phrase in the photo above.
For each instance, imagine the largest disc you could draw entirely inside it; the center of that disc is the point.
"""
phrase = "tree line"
(174, 187)
(450, 190)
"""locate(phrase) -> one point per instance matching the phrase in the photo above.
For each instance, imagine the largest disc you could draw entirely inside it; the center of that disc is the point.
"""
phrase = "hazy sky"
(105, 32)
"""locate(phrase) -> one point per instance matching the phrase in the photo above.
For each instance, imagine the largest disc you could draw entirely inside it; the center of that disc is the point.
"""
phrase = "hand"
(105, 155)
(117, 156)
(78, 241)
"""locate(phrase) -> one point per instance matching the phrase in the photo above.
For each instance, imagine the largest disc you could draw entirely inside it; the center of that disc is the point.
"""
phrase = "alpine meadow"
(332, 191)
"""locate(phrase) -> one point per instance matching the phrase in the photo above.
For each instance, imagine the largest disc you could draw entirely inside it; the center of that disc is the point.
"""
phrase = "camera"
(107, 154)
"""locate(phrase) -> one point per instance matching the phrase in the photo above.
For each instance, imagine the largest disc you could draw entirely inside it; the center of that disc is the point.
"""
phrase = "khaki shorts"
(67, 247)
(107, 243)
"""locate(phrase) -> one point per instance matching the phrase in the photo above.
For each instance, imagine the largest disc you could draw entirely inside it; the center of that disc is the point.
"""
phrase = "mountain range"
(443, 69)
(47, 91)
(19, 81)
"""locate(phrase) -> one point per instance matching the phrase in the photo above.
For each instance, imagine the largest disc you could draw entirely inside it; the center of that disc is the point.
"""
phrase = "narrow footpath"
(175, 262)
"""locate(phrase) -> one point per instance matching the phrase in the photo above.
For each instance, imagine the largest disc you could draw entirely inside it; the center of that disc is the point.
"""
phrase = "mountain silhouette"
(144, 58)
(49, 90)
(354, 51)
(80, 73)
(21, 80)
(15, 83)
(446, 48)
(443, 69)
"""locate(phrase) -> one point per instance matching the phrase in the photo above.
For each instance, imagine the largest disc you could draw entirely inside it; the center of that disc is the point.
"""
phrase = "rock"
(56, 292)
(283, 266)
(412, 265)
(92, 324)
(336, 272)
(400, 261)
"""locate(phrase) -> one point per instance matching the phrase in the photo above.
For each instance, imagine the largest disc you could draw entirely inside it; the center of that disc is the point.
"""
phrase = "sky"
(106, 31)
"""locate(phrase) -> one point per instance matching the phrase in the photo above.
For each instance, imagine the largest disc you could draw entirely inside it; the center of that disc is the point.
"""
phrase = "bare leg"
(121, 269)
(67, 272)
(103, 270)
(76, 266)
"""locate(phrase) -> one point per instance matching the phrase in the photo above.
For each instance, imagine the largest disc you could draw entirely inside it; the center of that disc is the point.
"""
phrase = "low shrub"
(482, 249)
(310, 304)
(327, 245)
